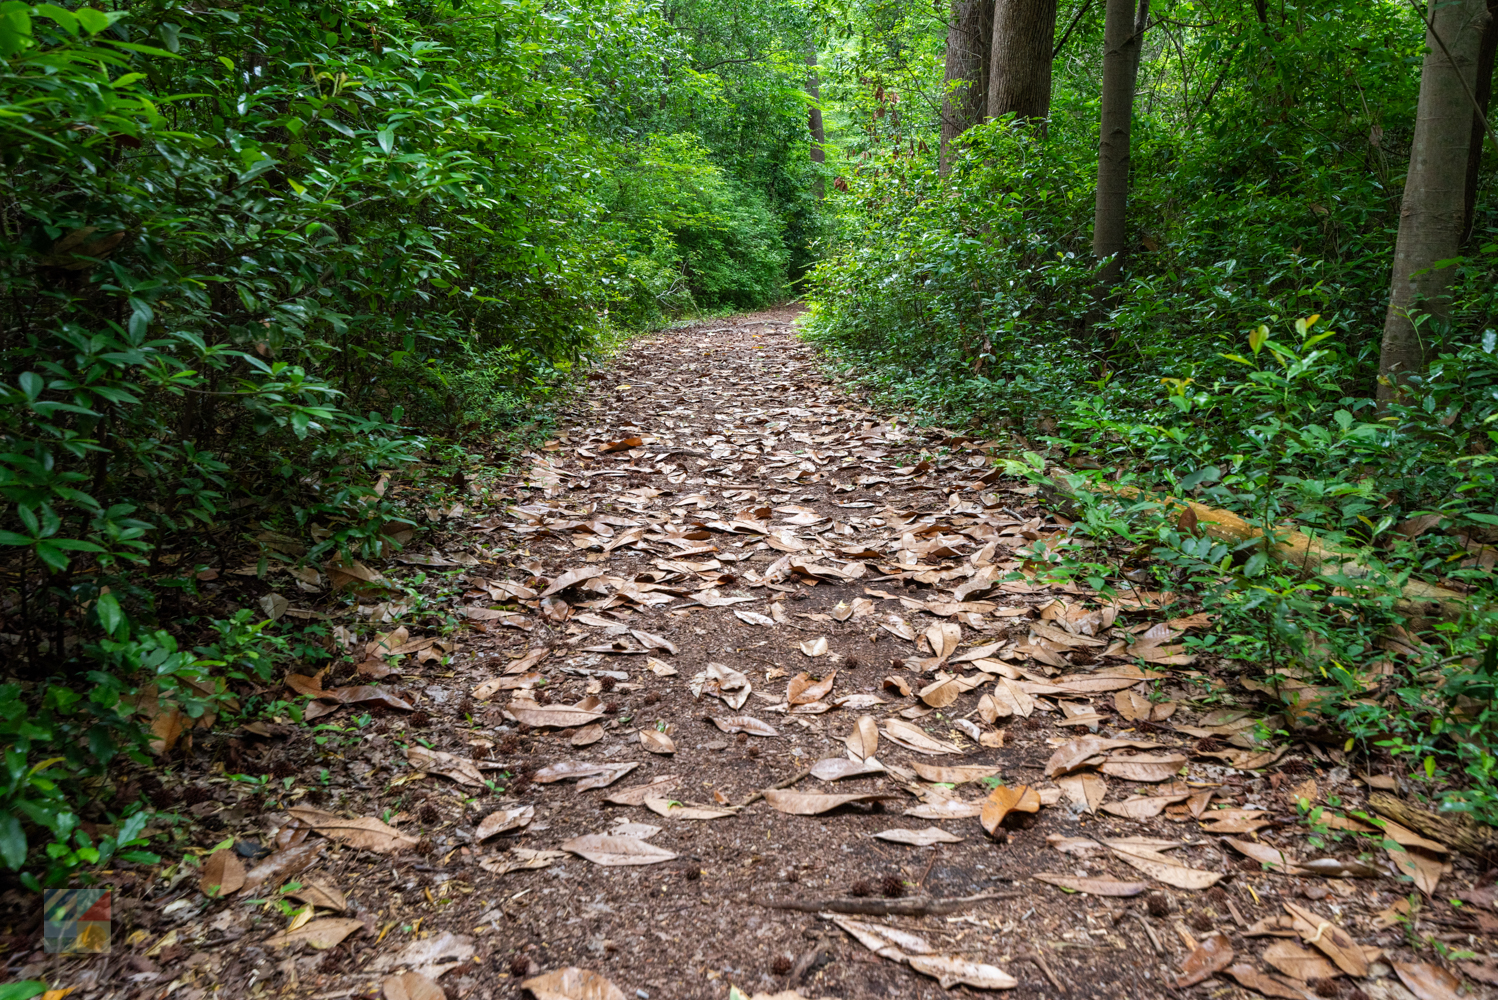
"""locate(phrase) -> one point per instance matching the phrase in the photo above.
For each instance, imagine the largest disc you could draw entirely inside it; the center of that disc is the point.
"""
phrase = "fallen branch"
(1456, 831)
(1295, 547)
(919, 907)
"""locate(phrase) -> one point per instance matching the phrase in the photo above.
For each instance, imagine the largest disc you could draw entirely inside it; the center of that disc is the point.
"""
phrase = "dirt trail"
(716, 520)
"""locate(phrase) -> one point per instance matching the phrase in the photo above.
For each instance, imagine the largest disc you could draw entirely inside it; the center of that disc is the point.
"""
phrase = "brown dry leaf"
(1085, 791)
(943, 638)
(954, 775)
(1132, 705)
(615, 852)
(659, 667)
(320, 934)
(990, 709)
(838, 768)
(562, 770)
(1297, 963)
(1427, 981)
(572, 578)
(863, 741)
(1167, 870)
(1075, 754)
(941, 692)
(813, 803)
(605, 778)
(1405, 837)
(898, 626)
(919, 838)
(552, 716)
(587, 736)
(323, 895)
(816, 647)
(502, 820)
(365, 832)
(1212, 955)
(895, 682)
(686, 810)
(572, 983)
(1144, 767)
(223, 874)
(1273, 857)
(1421, 866)
(1093, 886)
(520, 859)
(912, 737)
(1143, 806)
(950, 970)
(745, 724)
(801, 690)
(1003, 800)
(1234, 820)
(411, 986)
(657, 742)
(940, 808)
(636, 795)
(1253, 979)
(1330, 939)
(167, 728)
(652, 641)
(283, 864)
(460, 769)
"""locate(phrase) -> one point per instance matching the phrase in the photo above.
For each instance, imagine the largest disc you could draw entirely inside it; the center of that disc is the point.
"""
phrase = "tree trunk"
(1123, 38)
(1433, 212)
(1484, 94)
(814, 118)
(1019, 71)
(966, 92)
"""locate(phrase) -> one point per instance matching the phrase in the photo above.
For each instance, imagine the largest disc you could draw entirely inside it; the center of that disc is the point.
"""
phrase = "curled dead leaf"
(1004, 800)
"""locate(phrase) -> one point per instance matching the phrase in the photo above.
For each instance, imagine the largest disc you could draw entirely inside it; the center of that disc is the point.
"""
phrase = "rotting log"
(1418, 599)
(1460, 833)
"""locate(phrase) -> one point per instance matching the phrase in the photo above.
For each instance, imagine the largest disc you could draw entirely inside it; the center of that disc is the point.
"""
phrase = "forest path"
(724, 573)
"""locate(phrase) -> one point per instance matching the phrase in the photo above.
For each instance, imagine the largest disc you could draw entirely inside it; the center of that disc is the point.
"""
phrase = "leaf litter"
(642, 584)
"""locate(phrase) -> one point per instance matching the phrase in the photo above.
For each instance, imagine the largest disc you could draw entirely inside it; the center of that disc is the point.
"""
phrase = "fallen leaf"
(1144, 767)
(1422, 867)
(722, 682)
(223, 874)
(1143, 806)
(1003, 800)
(1086, 791)
(520, 859)
(813, 803)
(946, 808)
(950, 970)
(954, 775)
(587, 736)
(838, 768)
(321, 894)
(943, 638)
(1164, 869)
(919, 838)
(636, 795)
(1297, 963)
(801, 690)
(816, 647)
(657, 742)
(283, 864)
(652, 641)
(1212, 955)
(1093, 886)
(1252, 978)
(744, 724)
(912, 737)
(572, 983)
(894, 682)
(941, 692)
(320, 934)
(1075, 754)
(1331, 940)
(460, 769)
(680, 810)
(565, 769)
(502, 820)
(364, 832)
(659, 667)
(411, 986)
(753, 617)
(552, 716)
(614, 852)
(863, 741)
(1276, 859)
(1427, 981)
(167, 728)
(572, 578)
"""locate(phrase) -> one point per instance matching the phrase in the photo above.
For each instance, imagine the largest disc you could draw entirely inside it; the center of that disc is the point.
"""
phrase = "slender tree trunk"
(966, 93)
(1433, 213)
(1019, 71)
(1483, 91)
(1123, 38)
(814, 118)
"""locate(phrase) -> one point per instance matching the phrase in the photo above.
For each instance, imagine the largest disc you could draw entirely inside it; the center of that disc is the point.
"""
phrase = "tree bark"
(814, 118)
(965, 100)
(1484, 94)
(1019, 70)
(1433, 213)
(1123, 38)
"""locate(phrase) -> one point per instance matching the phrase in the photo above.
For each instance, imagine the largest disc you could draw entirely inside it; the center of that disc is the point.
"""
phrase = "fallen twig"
(1035, 957)
(788, 782)
(919, 907)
